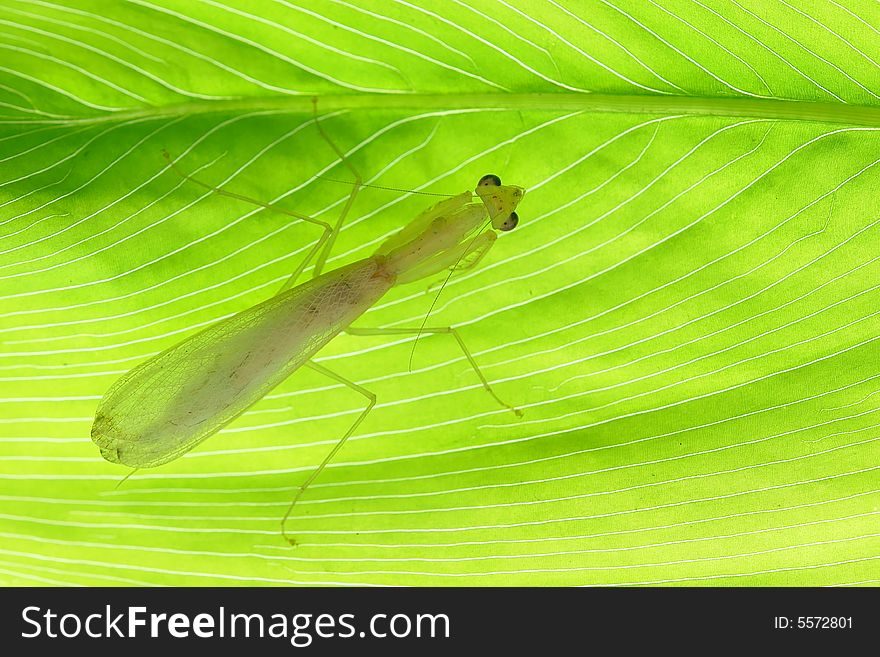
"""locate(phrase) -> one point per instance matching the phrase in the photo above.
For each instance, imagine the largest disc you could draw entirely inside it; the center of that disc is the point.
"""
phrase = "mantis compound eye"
(489, 180)
(510, 223)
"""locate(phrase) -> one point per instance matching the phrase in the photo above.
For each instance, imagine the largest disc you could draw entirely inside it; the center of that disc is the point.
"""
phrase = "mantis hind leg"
(321, 249)
(349, 202)
(316, 248)
(444, 329)
(317, 471)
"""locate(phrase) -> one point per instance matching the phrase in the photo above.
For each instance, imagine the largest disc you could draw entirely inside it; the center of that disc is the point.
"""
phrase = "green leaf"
(687, 312)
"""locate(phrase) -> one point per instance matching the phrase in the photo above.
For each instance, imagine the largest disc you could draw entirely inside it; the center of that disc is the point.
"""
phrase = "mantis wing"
(170, 403)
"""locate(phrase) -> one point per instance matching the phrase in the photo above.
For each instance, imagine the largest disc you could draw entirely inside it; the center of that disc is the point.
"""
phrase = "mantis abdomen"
(173, 401)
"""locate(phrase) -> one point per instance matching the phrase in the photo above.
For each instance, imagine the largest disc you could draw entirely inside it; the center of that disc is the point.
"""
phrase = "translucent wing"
(170, 403)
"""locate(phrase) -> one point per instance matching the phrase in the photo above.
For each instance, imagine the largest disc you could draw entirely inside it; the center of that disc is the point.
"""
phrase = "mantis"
(170, 403)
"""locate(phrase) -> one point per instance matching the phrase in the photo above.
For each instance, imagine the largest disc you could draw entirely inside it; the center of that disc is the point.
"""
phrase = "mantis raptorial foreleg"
(351, 330)
(317, 471)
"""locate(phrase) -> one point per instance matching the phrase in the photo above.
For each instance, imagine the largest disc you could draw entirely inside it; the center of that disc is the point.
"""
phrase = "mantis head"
(500, 200)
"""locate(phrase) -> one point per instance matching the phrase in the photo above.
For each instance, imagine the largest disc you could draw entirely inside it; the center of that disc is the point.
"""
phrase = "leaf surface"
(687, 312)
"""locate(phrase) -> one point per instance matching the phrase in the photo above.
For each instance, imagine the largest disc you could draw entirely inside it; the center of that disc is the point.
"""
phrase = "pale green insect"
(170, 403)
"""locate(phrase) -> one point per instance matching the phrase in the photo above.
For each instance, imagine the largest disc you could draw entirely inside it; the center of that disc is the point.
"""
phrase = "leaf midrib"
(784, 110)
